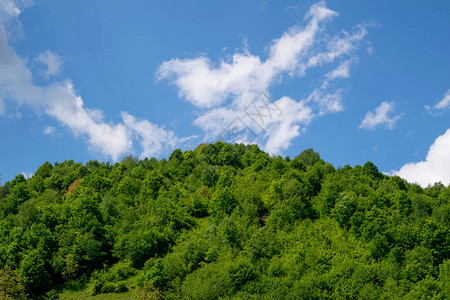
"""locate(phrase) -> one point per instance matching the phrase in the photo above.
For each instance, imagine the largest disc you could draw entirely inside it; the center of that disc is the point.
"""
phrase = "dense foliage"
(224, 221)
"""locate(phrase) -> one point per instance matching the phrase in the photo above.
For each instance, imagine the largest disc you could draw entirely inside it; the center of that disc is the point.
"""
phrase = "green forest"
(222, 221)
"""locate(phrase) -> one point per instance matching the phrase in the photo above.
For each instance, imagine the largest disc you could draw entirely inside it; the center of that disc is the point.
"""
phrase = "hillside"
(223, 221)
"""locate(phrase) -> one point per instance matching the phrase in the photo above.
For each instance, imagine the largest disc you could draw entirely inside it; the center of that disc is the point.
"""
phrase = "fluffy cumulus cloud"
(60, 101)
(383, 116)
(436, 166)
(226, 92)
(206, 85)
(231, 96)
(287, 125)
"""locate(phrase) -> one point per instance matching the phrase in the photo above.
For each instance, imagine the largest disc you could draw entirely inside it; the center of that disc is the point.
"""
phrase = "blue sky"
(355, 81)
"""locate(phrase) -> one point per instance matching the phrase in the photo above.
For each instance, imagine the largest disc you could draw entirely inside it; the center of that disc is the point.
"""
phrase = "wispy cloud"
(206, 85)
(436, 166)
(52, 62)
(49, 130)
(443, 104)
(342, 71)
(60, 101)
(12, 9)
(153, 139)
(27, 175)
(2, 107)
(381, 117)
(224, 90)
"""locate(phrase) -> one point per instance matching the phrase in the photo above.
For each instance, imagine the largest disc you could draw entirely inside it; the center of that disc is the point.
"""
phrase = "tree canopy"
(224, 221)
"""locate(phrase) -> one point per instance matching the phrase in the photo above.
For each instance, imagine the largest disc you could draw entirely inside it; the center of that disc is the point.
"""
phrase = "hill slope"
(223, 221)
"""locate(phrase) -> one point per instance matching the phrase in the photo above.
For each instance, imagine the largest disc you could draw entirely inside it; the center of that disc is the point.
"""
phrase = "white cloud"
(152, 138)
(221, 116)
(338, 46)
(287, 126)
(381, 117)
(2, 107)
(60, 101)
(325, 101)
(49, 130)
(64, 105)
(443, 104)
(27, 175)
(436, 166)
(221, 90)
(342, 71)
(52, 61)
(206, 85)
(8, 9)
(224, 90)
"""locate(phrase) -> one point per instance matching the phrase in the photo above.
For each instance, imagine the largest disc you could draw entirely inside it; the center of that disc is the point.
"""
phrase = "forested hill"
(223, 221)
